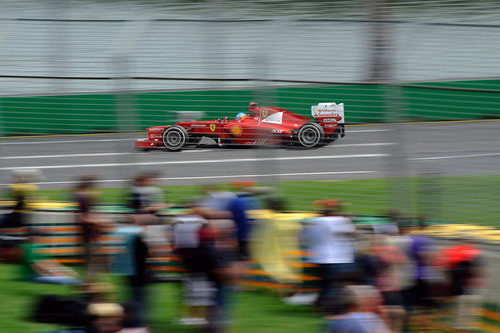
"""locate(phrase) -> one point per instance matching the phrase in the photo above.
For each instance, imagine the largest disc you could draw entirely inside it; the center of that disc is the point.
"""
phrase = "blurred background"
(71, 67)
(420, 80)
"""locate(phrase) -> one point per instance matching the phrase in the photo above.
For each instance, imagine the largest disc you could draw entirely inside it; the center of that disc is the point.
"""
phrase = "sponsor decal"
(327, 109)
(236, 130)
(199, 125)
(331, 120)
(264, 113)
(330, 126)
(259, 142)
(212, 127)
(156, 129)
(274, 130)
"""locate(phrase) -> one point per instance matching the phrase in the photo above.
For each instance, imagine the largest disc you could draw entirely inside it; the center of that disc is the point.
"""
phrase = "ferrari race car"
(266, 125)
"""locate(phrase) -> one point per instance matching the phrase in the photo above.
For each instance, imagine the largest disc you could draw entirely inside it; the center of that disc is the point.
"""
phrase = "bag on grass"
(57, 309)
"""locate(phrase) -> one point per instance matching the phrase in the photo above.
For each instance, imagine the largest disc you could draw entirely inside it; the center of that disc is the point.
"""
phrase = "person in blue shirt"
(236, 206)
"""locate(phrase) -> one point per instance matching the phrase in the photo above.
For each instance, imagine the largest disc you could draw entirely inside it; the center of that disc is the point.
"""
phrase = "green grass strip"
(457, 199)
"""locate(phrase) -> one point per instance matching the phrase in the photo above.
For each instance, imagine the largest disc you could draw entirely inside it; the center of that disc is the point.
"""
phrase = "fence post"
(400, 190)
(125, 111)
(5, 27)
(265, 167)
(57, 40)
(381, 71)
(380, 64)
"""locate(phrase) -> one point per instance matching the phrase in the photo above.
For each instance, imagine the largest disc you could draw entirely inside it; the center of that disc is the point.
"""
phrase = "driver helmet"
(253, 108)
(241, 116)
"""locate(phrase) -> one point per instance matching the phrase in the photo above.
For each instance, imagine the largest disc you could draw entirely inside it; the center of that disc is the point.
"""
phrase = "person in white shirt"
(329, 242)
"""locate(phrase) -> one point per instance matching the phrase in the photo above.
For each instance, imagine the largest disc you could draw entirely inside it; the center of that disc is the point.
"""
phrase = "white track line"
(185, 151)
(222, 177)
(362, 144)
(90, 155)
(452, 156)
(63, 155)
(366, 131)
(64, 141)
(196, 151)
(230, 160)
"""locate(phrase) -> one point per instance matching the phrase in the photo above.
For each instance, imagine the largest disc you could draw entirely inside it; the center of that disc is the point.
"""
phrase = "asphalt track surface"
(367, 151)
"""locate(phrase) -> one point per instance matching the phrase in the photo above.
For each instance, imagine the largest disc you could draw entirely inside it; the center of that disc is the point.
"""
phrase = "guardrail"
(365, 103)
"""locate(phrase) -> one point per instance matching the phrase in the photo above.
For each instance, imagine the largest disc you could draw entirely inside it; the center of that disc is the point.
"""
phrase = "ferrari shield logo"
(212, 127)
(264, 113)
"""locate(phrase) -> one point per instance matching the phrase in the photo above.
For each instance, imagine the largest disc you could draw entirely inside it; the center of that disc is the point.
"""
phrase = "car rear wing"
(328, 112)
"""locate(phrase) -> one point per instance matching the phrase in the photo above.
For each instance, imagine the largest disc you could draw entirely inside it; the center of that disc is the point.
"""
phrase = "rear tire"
(310, 135)
(337, 134)
(175, 137)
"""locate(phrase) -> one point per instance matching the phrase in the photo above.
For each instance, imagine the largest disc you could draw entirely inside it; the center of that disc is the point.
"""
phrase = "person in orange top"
(464, 267)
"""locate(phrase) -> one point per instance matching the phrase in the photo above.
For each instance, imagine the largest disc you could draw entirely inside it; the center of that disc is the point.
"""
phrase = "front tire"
(175, 137)
(310, 135)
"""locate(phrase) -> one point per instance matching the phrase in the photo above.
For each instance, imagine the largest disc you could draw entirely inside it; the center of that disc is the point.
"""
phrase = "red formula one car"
(266, 125)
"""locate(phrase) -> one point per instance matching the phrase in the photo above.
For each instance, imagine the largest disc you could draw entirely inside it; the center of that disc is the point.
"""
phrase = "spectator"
(90, 222)
(215, 198)
(146, 198)
(219, 243)
(329, 242)
(465, 268)
(391, 277)
(361, 311)
(421, 252)
(105, 318)
(237, 208)
(366, 263)
(219, 200)
(21, 192)
(38, 267)
(197, 287)
(139, 279)
(251, 194)
(132, 263)
(404, 271)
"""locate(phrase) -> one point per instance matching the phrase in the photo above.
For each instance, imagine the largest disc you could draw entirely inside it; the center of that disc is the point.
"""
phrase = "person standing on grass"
(392, 276)
(220, 252)
(329, 242)
(220, 200)
(422, 253)
(196, 285)
(464, 265)
(90, 222)
(138, 280)
(146, 199)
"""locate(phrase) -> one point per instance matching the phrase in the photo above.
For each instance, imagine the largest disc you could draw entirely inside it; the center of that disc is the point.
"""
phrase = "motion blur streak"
(403, 208)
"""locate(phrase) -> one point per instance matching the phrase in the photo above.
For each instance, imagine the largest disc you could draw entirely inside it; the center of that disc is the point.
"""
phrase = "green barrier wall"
(85, 113)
